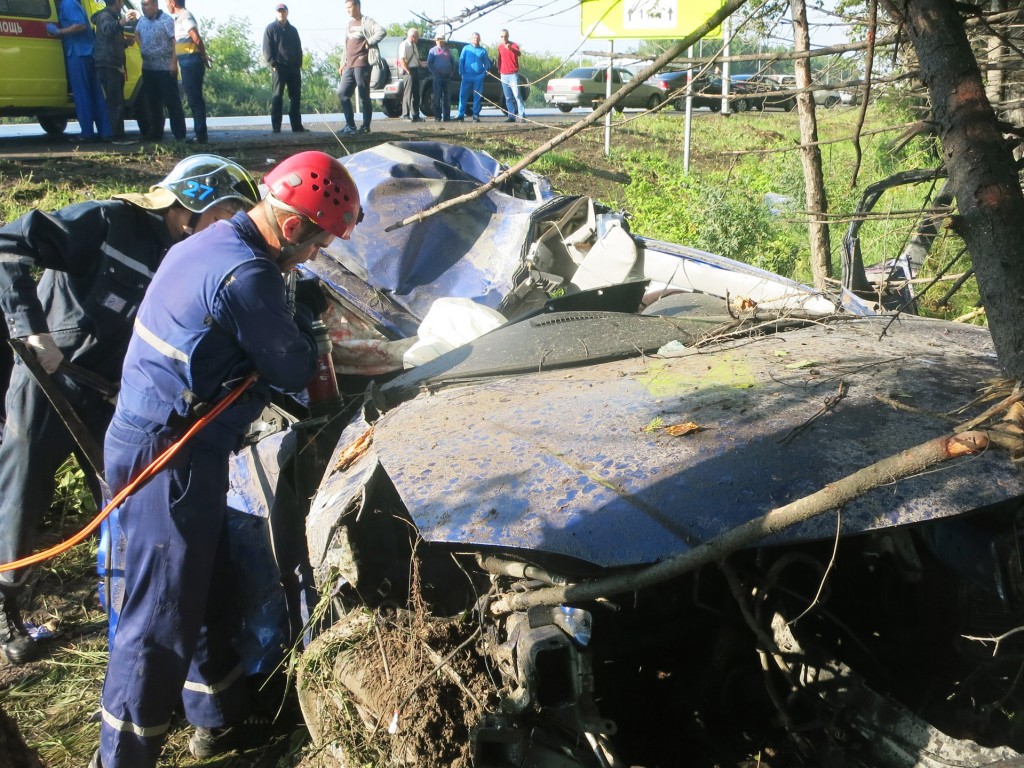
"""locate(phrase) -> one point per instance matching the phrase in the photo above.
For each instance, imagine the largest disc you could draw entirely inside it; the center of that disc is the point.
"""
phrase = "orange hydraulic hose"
(148, 473)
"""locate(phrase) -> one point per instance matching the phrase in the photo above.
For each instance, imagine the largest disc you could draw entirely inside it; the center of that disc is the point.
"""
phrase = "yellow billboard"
(648, 19)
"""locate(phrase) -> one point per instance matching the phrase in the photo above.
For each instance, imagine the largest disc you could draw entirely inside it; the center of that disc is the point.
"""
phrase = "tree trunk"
(810, 154)
(981, 169)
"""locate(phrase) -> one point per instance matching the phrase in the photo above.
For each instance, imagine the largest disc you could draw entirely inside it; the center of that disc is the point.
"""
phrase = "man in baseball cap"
(282, 49)
(440, 66)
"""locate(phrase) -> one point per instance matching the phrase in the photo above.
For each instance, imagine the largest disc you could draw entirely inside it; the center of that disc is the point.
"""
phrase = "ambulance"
(33, 81)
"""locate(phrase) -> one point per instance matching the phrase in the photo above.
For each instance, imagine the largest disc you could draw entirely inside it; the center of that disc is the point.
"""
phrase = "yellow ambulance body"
(33, 81)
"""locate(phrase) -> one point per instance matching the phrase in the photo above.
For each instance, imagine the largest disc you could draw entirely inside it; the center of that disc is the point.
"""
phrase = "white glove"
(47, 352)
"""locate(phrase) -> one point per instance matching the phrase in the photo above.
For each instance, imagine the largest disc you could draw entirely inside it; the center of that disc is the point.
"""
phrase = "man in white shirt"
(409, 63)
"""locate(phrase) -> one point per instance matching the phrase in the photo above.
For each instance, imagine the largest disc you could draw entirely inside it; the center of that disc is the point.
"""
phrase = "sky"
(538, 26)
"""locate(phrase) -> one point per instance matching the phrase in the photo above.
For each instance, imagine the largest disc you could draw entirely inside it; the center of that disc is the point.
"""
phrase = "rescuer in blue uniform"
(98, 257)
(217, 312)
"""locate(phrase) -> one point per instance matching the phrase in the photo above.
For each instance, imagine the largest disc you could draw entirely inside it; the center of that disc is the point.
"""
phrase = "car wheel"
(566, 108)
(832, 101)
(619, 108)
(653, 102)
(716, 106)
(740, 105)
(680, 105)
(54, 126)
(391, 108)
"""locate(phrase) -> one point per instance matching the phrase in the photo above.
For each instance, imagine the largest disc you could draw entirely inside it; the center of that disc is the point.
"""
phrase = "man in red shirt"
(508, 68)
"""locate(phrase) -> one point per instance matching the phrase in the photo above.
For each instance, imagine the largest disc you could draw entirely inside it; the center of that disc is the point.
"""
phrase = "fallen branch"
(979, 312)
(606, 106)
(904, 464)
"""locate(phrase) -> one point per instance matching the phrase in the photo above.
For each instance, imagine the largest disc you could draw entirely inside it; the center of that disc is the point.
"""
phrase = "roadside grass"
(32, 183)
(58, 725)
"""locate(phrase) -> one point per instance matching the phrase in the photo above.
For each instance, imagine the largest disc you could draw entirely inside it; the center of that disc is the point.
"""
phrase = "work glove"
(47, 352)
(309, 294)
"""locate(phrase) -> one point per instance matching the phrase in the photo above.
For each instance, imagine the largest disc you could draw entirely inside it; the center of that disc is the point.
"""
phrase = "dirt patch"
(394, 688)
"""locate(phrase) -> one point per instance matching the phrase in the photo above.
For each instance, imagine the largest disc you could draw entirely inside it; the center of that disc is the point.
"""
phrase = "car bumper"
(572, 99)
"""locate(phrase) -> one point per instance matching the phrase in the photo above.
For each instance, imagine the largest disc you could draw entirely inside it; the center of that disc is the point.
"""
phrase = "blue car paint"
(573, 462)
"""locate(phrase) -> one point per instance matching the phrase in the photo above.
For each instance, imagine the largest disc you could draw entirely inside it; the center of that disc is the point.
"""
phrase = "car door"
(597, 87)
(32, 71)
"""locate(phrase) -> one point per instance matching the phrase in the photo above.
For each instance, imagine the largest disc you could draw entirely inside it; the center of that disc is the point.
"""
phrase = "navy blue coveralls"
(99, 258)
(216, 312)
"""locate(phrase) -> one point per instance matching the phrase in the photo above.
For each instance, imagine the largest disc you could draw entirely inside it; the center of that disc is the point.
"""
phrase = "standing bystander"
(508, 69)
(439, 64)
(409, 63)
(473, 65)
(155, 34)
(108, 52)
(361, 54)
(217, 312)
(77, 37)
(193, 62)
(97, 259)
(282, 49)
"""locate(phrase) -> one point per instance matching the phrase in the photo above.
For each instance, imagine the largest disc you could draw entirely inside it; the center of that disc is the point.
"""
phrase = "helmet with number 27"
(201, 181)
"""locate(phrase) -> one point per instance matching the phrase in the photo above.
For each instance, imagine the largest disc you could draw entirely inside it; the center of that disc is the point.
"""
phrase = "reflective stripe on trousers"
(178, 612)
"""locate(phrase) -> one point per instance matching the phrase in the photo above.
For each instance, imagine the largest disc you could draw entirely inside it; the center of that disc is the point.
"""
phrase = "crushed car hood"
(508, 248)
(577, 461)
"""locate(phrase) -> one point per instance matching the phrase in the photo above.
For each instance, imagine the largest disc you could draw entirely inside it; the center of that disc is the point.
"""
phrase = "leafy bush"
(728, 219)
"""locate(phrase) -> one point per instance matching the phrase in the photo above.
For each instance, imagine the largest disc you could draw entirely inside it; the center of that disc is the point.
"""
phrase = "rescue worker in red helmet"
(217, 312)
(98, 258)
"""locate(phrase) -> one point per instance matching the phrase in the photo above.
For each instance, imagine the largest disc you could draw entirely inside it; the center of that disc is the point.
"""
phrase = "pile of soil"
(393, 689)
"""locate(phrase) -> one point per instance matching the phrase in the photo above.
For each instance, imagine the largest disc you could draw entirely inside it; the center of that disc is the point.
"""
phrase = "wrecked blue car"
(636, 403)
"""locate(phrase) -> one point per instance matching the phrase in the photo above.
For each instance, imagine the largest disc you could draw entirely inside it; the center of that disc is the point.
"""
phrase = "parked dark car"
(764, 92)
(707, 91)
(672, 85)
(386, 83)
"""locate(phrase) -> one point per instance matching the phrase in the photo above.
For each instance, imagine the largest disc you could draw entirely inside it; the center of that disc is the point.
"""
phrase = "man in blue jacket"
(473, 65)
(216, 313)
(440, 67)
(77, 37)
(98, 258)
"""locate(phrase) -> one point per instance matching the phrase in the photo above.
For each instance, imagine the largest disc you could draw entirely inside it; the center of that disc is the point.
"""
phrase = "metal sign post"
(608, 95)
(726, 75)
(689, 114)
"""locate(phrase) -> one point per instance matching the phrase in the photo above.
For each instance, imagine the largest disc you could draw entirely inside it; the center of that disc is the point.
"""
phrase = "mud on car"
(526, 550)
(386, 85)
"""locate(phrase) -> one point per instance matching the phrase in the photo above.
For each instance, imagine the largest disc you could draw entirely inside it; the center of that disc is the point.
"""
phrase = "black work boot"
(15, 644)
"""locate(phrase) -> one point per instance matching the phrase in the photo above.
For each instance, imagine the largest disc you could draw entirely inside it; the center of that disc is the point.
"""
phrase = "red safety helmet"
(317, 186)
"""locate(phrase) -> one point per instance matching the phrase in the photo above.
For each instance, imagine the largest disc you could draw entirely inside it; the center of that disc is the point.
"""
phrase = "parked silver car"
(823, 96)
(586, 87)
